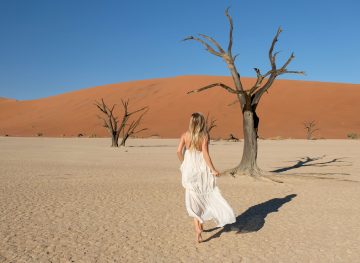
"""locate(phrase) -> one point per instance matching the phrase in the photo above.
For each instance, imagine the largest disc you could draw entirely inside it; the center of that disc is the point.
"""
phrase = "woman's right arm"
(205, 151)
(179, 151)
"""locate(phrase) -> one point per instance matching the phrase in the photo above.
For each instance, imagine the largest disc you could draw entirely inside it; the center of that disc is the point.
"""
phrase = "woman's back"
(198, 145)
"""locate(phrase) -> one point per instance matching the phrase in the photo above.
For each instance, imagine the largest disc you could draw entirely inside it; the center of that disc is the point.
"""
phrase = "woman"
(202, 197)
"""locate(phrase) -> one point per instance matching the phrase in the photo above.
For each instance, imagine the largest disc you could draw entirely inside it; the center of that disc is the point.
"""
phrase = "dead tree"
(248, 98)
(112, 123)
(210, 123)
(131, 130)
(310, 129)
(232, 138)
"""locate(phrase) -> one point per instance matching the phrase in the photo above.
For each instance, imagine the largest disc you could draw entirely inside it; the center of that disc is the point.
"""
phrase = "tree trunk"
(249, 158)
(123, 141)
(114, 139)
(248, 164)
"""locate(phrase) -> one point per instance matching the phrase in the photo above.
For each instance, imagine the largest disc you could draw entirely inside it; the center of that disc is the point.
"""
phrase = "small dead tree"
(232, 138)
(210, 123)
(310, 129)
(248, 99)
(111, 123)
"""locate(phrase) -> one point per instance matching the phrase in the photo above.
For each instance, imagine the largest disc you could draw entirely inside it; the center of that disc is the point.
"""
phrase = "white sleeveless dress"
(202, 197)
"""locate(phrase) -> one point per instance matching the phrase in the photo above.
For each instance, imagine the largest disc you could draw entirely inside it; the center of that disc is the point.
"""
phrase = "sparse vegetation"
(232, 138)
(353, 135)
(39, 134)
(80, 135)
(210, 123)
(310, 129)
(114, 127)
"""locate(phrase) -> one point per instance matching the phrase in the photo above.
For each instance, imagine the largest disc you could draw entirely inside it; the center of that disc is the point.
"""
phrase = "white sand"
(78, 200)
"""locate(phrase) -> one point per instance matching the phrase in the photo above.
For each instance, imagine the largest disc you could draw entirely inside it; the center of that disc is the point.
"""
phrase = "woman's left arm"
(180, 152)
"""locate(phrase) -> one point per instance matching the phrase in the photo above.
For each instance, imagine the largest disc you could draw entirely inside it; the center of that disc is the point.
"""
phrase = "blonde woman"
(202, 197)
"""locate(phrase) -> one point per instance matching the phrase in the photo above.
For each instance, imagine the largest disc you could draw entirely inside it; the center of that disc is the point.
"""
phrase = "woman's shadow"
(253, 219)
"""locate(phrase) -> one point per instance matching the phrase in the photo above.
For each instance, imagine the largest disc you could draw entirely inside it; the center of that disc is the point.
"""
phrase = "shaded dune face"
(334, 107)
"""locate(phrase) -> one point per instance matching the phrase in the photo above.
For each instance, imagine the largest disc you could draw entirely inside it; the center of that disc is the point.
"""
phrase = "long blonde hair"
(197, 129)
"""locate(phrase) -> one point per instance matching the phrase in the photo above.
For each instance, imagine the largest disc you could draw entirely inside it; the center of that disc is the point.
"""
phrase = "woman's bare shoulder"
(185, 134)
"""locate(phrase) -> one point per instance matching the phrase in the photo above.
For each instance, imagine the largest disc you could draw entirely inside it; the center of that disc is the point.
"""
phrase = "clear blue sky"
(49, 47)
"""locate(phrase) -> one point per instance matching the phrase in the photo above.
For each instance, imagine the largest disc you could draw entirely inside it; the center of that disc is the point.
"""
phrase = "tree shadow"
(307, 161)
(253, 219)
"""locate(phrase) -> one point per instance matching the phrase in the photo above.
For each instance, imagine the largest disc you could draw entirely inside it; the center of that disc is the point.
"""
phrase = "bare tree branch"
(207, 46)
(143, 129)
(103, 108)
(230, 31)
(263, 89)
(227, 57)
(143, 108)
(215, 85)
(292, 56)
(275, 54)
(134, 124)
(271, 56)
(259, 80)
(214, 43)
(294, 72)
(210, 123)
(259, 90)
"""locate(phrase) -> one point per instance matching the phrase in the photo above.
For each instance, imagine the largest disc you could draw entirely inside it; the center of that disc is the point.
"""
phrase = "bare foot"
(198, 230)
(198, 237)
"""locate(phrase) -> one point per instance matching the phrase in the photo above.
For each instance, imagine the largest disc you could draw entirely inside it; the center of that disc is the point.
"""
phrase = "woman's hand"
(215, 173)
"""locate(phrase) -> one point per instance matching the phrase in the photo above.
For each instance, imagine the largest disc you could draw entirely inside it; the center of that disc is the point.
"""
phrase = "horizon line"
(169, 77)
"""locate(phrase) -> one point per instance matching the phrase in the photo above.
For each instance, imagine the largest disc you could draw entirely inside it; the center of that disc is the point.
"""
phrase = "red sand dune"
(334, 106)
(2, 99)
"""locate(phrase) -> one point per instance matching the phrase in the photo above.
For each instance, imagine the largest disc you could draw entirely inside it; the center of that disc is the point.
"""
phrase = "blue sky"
(51, 47)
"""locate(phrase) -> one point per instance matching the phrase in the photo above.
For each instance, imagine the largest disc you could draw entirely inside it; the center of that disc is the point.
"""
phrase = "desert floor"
(79, 200)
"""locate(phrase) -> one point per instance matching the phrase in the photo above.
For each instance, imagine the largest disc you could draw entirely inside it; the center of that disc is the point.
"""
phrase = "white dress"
(202, 197)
